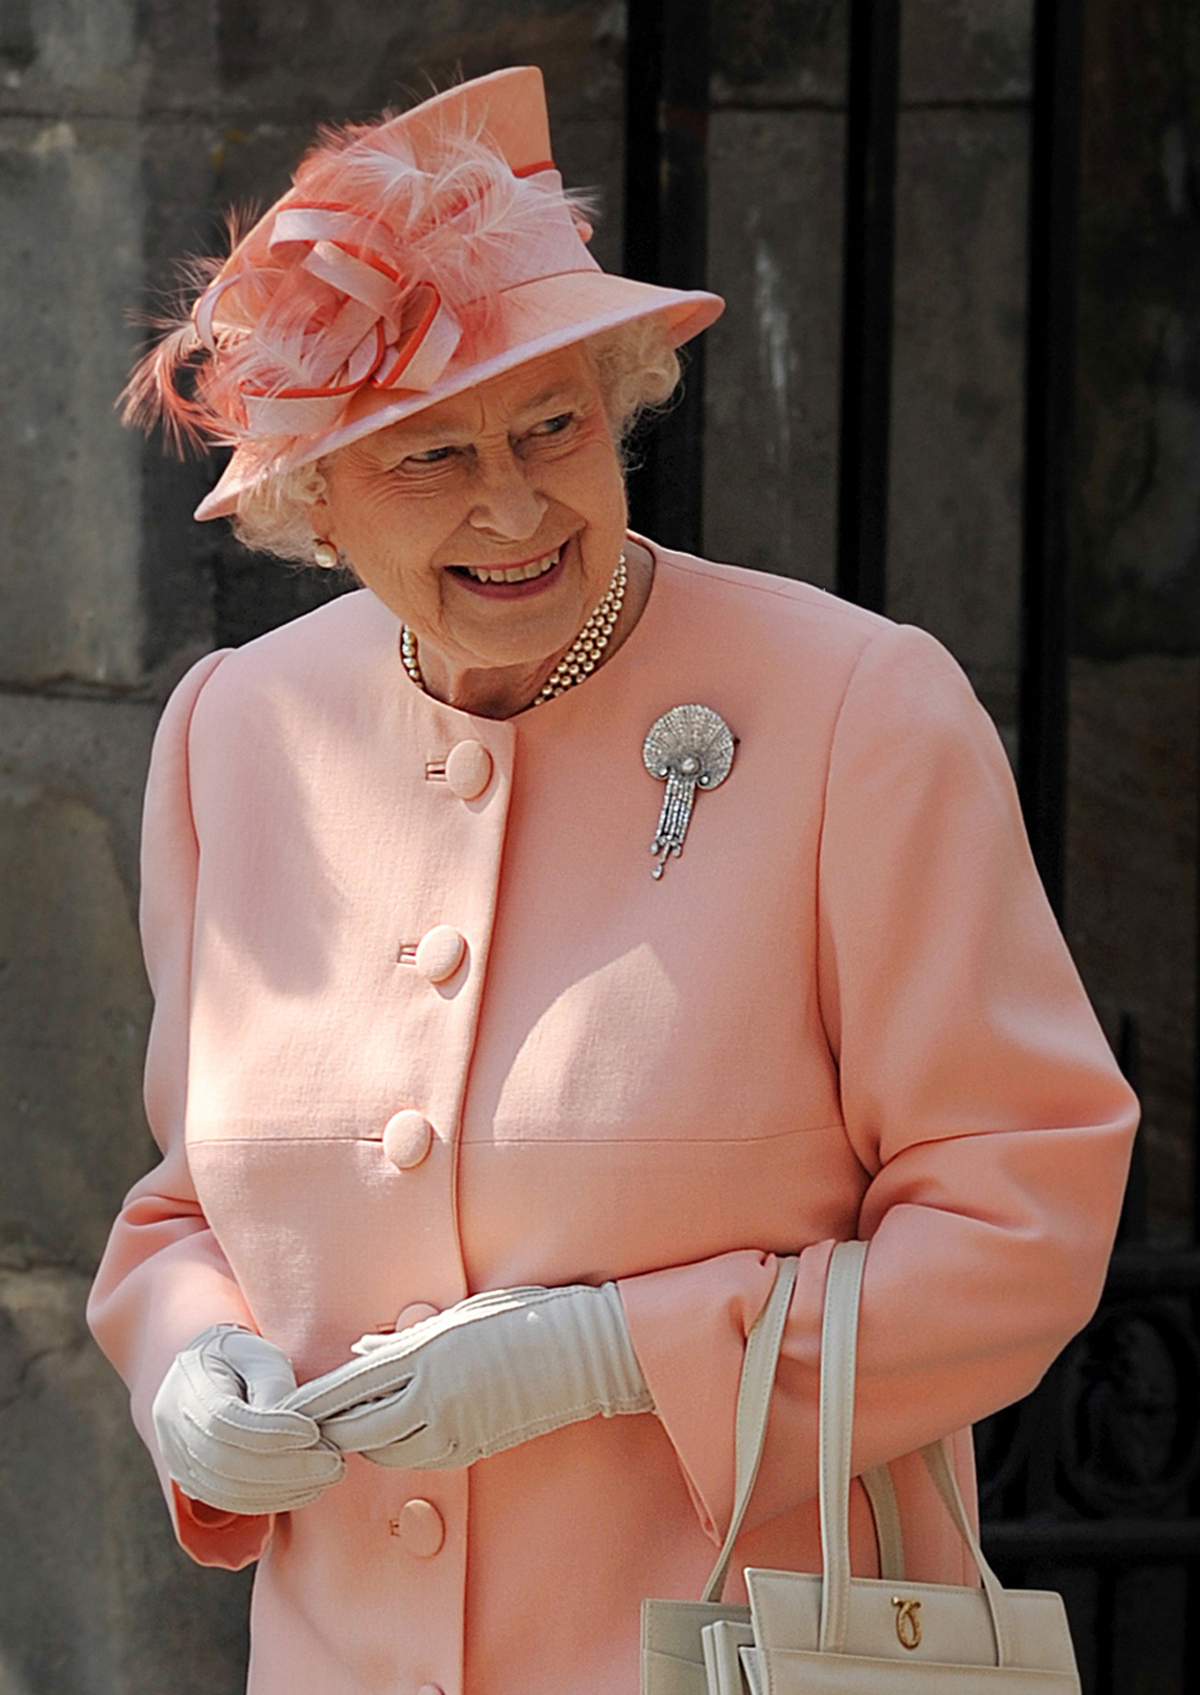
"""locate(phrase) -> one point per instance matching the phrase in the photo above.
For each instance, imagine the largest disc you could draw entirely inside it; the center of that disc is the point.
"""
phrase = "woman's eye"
(431, 456)
(554, 426)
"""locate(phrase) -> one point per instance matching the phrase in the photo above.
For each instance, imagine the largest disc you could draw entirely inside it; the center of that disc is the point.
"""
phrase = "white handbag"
(836, 1634)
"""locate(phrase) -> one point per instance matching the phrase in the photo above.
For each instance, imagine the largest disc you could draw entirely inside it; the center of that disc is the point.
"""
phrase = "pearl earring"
(325, 554)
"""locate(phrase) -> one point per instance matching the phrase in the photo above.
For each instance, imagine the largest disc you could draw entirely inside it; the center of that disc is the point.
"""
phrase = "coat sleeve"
(977, 1090)
(163, 1277)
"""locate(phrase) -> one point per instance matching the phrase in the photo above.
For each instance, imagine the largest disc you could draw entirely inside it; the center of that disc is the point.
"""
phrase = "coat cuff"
(216, 1538)
(688, 1325)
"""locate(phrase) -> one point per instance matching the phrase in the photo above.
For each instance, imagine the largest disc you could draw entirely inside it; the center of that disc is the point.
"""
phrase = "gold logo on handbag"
(908, 1623)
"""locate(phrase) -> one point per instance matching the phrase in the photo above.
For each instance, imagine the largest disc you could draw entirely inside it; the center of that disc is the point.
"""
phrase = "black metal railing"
(1049, 430)
(868, 268)
(666, 239)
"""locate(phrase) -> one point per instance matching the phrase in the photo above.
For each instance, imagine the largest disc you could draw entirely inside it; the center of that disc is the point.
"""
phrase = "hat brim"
(531, 320)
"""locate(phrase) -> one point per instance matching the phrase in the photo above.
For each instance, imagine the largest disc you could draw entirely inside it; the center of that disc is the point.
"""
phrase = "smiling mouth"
(526, 573)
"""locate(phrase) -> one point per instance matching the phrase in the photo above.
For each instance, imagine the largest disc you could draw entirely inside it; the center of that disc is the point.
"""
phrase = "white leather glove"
(224, 1435)
(486, 1374)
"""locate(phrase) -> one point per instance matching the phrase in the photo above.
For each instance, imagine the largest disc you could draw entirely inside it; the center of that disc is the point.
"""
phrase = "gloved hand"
(486, 1374)
(224, 1435)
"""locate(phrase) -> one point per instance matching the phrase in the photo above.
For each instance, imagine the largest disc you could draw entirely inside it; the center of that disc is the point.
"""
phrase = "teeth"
(513, 573)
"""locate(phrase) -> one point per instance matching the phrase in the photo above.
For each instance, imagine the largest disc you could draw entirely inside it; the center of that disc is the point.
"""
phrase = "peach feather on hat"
(410, 259)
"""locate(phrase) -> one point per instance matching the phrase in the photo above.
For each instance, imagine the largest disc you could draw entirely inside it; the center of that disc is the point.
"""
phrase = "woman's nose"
(506, 502)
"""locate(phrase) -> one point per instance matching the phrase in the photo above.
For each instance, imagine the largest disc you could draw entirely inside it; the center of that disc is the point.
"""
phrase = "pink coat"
(846, 1009)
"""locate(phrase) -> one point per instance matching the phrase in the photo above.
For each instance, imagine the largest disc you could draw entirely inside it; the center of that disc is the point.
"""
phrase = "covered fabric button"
(414, 1313)
(468, 769)
(420, 1527)
(440, 953)
(407, 1138)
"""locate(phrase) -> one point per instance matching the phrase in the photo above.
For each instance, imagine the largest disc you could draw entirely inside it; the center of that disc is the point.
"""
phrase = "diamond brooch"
(688, 748)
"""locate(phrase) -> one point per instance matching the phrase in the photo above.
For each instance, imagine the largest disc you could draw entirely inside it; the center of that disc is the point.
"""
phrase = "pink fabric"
(336, 300)
(845, 1009)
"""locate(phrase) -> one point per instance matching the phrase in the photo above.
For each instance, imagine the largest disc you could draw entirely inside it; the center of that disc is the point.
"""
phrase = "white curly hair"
(638, 372)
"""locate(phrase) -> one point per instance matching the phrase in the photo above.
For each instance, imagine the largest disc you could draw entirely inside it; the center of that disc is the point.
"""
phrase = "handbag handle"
(753, 1406)
(753, 1409)
(839, 1361)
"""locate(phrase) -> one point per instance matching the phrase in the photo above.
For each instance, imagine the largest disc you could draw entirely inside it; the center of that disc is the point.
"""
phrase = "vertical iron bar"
(643, 83)
(1105, 1632)
(1196, 1091)
(872, 107)
(1134, 1224)
(666, 237)
(1191, 1621)
(1049, 435)
(1191, 1626)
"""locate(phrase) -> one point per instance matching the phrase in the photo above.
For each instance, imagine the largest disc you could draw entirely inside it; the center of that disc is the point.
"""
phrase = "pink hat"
(411, 259)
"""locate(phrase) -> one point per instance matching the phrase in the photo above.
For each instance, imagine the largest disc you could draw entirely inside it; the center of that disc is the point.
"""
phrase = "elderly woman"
(445, 1060)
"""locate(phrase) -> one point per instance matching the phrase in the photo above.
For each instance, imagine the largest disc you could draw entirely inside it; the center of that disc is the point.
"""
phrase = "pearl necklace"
(580, 659)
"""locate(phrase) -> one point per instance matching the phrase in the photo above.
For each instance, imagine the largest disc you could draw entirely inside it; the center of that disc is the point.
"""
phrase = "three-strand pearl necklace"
(580, 659)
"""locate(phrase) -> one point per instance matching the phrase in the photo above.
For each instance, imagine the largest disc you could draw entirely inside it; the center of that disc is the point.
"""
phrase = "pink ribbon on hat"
(316, 312)
(385, 330)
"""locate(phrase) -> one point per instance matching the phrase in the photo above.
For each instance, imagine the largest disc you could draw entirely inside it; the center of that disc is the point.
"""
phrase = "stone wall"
(776, 149)
(125, 126)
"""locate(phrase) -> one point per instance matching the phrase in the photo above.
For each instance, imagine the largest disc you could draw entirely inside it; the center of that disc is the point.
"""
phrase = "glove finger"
(264, 1428)
(239, 1426)
(374, 1424)
(202, 1446)
(244, 1498)
(226, 1478)
(264, 1369)
(186, 1432)
(382, 1373)
(423, 1451)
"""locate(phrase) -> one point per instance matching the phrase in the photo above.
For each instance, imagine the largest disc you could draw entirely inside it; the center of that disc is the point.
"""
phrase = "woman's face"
(492, 522)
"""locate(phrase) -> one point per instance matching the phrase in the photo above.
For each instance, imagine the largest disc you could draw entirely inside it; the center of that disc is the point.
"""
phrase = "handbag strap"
(839, 1360)
(941, 1469)
(753, 1410)
(839, 1355)
(885, 1510)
